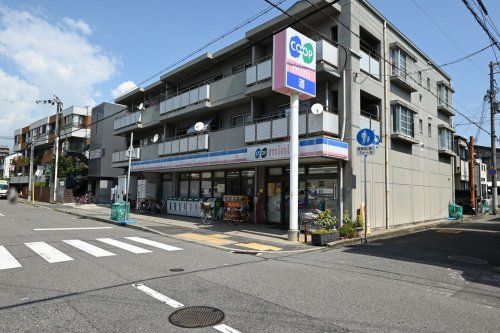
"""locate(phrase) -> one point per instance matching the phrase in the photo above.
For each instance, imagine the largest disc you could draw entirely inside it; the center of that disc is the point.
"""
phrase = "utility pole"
(472, 173)
(59, 104)
(492, 96)
(30, 180)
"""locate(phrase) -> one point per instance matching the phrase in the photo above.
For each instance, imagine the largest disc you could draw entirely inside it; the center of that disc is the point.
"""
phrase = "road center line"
(54, 229)
(225, 329)
(158, 296)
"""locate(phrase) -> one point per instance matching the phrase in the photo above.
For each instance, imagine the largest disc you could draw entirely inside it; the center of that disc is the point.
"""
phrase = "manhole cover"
(177, 270)
(196, 316)
(468, 260)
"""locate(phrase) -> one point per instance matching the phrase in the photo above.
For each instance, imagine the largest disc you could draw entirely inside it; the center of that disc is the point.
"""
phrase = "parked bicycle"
(86, 198)
(149, 206)
(308, 217)
(210, 214)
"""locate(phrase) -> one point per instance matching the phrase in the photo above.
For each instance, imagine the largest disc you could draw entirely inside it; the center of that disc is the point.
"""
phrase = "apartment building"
(4, 152)
(74, 140)
(369, 74)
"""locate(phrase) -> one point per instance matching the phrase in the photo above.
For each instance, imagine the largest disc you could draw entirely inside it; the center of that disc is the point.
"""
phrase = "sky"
(91, 51)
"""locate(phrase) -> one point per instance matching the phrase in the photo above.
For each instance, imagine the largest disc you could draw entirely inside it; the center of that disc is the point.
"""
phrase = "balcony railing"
(121, 155)
(278, 128)
(403, 79)
(186, 98)
(369, 64)
(185, 144)
(128, 120)
(369, 121)
(327, 52)
(259, 70)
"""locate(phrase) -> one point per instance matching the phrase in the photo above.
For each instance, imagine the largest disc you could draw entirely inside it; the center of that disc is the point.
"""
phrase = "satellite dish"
(317, 108)
(155, 138)
(141, 106)
(199, 126)
(38, 173)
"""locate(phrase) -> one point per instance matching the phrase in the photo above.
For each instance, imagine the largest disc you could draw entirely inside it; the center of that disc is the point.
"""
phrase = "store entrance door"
(302, 200)
(274, 194)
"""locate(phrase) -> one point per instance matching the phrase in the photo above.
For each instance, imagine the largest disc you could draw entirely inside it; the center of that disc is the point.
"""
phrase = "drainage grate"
(468, 260)
(196, 316)
(176, 270)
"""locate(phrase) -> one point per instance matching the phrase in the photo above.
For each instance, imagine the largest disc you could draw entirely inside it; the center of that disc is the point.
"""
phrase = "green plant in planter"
(348, 228)
(359, 222)
(325, 222)
(326, 232)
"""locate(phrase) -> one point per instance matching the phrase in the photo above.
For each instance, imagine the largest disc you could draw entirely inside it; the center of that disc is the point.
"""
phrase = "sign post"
(294, 74)
(368, 141)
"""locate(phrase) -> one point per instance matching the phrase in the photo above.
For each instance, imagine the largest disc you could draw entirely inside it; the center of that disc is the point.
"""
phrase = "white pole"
(32, 154)
(366, 204)
(293, 232)
(56, 152)
(131, 148)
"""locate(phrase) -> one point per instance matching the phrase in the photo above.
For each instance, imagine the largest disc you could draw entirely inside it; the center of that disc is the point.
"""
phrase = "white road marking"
(154, 244)
(7, 260)
(89, 248)
(2, 214)
(158, 296)
(225, 329)
(47, 252)
(122, 245)
(89, 228)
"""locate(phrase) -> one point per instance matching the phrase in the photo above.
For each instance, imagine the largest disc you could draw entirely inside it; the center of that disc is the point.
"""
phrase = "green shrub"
(325, 220)
(347, 230)
(40, 184)
(359, 222)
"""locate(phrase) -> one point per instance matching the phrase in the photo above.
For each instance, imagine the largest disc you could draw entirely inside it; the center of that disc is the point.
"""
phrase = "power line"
(481, 23)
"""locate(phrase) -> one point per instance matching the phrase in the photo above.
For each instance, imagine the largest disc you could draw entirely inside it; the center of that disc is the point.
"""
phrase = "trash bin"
(455, 212)
(120, 211)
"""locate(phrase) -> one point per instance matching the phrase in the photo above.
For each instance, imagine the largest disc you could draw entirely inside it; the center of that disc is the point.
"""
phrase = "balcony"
(258, 75)
(403, 80)
(369, 64)
(186, 144)
(369, 121)
(120, 156)
(445, 94)
(278, 128)
(126, 122)
(190, 100)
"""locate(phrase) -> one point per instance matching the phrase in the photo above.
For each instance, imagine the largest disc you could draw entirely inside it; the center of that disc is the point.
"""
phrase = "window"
(429, 130)
(445, 138)
(444, 96)
(429, 83)
(420, 77)
(334, 33)
(403, 120)
(421, 126)
(241, 119)
(402, 63)
(334, 101)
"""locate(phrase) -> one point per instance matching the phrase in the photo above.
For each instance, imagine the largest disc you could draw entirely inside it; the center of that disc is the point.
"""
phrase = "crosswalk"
(53, 255)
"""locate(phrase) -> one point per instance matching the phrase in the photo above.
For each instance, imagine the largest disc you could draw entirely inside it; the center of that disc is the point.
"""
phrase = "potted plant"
(348, 228)
(359, 224)
(326, 232)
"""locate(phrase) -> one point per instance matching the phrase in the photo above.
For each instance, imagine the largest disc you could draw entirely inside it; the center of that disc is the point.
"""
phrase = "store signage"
(273, 151)
(294, 64)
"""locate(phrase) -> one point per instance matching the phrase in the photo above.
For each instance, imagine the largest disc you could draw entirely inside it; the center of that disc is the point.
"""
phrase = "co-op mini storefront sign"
(313, 147)
(294, 64)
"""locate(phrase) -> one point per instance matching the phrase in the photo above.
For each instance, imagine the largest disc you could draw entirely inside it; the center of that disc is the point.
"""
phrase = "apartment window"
(403, 120)
(444, 95)
(429, 83)
(445, 138)
(421, 126)
(402, 63)
(43, 129)
(420, 77)
(334, 100)
(241, 119)
(334, 33)
(429, 130)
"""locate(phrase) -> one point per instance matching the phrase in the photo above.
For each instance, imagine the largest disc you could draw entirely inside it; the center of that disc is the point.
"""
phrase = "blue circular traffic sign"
(365, 137)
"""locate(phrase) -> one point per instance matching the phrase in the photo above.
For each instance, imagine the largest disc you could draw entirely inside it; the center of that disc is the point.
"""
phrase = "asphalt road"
(91, 283)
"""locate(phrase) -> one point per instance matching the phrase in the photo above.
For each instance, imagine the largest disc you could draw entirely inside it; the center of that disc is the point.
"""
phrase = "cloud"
(123, 88)
(49, 59)
(79, 25)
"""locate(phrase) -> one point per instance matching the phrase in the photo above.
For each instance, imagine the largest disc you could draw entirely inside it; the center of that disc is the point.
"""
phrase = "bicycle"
(146, 206)
(86, 198)
(309, 217)
(209, 215)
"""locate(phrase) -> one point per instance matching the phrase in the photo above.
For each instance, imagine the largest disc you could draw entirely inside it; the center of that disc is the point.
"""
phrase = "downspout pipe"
(386, 132)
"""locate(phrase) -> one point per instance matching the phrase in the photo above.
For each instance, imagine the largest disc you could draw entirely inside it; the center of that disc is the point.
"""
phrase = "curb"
(146, 229)
(390, 234)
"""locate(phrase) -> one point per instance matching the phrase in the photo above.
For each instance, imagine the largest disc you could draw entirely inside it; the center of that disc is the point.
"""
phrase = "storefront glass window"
(194, 188)
(184, 175)
(219, 188)
(219, 174)
(206, 175)
(247, 173)
(206, 188)
(274, 171)
(195, 176)
(184, 188)
(167, 176)
(323, 170)
(322, 194)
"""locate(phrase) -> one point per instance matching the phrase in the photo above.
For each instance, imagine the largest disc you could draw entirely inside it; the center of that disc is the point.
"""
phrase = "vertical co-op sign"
(294, 64)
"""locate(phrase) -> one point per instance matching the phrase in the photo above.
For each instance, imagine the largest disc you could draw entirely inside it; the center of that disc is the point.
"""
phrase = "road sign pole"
(127, 202)
(293, 231)
(366, 204)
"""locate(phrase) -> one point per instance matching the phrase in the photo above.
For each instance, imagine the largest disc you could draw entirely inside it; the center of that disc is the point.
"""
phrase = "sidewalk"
(241, 238)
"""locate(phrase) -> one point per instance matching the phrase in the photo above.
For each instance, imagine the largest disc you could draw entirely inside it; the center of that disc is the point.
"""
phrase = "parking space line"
(47, 252)
(7, 260)
(124, 246)
(162, 298)
(225, 329)
(89, 248)
(154, 244)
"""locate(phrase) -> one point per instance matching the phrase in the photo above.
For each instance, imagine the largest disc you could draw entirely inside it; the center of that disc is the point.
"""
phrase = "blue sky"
(117, 41)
